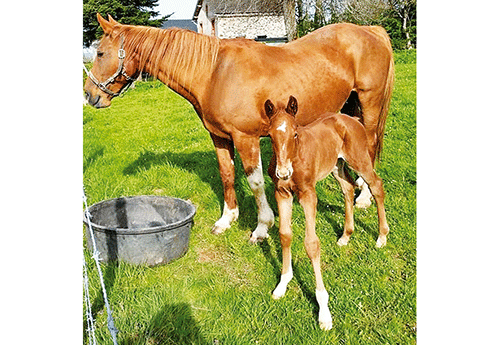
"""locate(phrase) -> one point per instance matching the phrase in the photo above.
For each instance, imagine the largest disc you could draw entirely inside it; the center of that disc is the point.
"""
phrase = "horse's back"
(345, 35)
(334, 59)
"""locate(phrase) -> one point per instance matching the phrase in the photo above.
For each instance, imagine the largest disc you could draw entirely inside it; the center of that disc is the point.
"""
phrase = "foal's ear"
(269, 107)
(292, 106)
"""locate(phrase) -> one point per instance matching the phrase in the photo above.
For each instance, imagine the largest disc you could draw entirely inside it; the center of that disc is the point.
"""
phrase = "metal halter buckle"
(121, 54)
(119, 71)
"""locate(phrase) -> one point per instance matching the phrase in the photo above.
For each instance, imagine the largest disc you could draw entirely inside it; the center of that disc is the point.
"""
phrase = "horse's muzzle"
(95, 101)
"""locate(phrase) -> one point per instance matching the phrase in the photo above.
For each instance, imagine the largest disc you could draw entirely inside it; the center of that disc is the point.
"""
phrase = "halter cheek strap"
(103, 86)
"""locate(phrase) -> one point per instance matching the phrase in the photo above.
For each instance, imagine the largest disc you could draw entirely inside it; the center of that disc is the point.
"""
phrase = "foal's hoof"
(381, 242)
(342, 241)
(326, 324)
(277, 296)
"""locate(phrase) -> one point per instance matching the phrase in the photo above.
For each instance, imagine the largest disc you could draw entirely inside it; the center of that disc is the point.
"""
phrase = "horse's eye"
(296, 135)
(100, 54)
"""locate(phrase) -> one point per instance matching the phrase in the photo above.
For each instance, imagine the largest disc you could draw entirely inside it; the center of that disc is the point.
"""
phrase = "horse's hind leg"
(347, 186)
(371, 100)
(364, 198)
(225, 156)
(249, 149)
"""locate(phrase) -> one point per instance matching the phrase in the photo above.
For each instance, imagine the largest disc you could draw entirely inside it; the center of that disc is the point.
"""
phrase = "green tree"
(405, 11)
(134, 12)
(398, 17)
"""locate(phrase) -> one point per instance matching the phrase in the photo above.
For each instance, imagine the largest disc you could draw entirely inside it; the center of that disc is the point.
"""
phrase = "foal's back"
(323, 141)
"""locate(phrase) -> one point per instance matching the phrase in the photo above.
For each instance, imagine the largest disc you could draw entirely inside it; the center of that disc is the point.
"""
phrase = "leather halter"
(120, 71)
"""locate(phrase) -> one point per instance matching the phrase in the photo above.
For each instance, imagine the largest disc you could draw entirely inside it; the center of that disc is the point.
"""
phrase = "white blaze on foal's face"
(283, 130)
(282, 127)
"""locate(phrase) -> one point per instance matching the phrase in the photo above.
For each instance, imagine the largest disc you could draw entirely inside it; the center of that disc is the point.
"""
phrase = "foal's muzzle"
(284, 173)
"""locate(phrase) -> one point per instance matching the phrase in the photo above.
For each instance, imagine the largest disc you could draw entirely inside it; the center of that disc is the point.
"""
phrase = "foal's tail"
(384, 110)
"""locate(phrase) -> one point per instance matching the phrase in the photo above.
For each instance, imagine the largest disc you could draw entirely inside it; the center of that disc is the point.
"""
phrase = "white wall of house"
(250, 26)
(204, 24)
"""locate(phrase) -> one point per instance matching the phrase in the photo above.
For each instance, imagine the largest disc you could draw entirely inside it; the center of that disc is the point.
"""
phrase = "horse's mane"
(177, 52)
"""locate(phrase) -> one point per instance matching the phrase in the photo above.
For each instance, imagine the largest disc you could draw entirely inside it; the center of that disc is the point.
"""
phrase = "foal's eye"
(100, 54)
(296, 135)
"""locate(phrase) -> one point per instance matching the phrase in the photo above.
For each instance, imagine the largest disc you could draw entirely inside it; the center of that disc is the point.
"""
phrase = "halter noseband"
(119, 71)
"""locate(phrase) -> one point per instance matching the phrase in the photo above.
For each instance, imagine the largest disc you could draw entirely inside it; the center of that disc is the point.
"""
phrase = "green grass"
(150, 141)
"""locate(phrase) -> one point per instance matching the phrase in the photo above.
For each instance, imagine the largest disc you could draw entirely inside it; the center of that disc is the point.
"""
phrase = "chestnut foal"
(301, 157)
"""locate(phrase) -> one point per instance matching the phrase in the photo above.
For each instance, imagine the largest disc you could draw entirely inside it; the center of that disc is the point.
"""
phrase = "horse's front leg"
(249, 149)
(225, 156)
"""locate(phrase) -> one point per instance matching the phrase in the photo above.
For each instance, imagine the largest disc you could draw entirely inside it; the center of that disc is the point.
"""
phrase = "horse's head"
(283, 133)
(113, 70)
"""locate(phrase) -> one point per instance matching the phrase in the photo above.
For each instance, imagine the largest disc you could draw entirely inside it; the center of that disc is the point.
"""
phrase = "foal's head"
(283, 133)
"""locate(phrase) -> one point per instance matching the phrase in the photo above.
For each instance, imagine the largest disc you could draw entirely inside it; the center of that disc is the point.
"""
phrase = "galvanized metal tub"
(144, 229)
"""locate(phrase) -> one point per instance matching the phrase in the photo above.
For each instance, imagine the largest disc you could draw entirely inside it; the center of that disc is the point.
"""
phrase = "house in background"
(187, 24)
(262, 21)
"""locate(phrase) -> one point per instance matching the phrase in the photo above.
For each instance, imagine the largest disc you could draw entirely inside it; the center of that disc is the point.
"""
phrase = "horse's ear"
(111, 20)
(292, 106)
(269, 107)
(106, 26)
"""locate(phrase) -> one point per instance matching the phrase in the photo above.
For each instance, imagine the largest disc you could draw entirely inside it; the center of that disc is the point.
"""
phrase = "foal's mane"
(177, 52)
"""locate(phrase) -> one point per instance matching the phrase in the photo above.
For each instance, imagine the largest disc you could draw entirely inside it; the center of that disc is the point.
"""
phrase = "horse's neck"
(183, 61)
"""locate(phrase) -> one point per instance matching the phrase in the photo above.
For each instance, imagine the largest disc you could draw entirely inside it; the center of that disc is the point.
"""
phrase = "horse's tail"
(384, 110)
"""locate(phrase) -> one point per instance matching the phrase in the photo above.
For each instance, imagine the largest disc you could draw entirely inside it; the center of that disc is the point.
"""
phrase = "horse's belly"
(227, 125)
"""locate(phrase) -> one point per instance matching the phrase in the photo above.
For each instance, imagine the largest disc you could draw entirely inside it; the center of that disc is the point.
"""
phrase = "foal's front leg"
(285, 213)
(308, 200)
(249, 149)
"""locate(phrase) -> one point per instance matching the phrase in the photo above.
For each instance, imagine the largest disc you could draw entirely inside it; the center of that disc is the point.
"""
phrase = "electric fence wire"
(111, 325)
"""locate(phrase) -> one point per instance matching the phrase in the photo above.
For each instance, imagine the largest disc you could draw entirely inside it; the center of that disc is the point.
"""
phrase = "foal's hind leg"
(362, 164)
(377, 189)
(347, 186)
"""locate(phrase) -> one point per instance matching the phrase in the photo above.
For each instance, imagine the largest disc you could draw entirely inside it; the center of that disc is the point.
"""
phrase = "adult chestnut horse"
(301, 157)
(228, 80)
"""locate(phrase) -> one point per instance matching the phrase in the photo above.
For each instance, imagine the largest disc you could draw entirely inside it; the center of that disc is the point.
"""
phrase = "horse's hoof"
(363, 203)
(258, 238)
(217, 230)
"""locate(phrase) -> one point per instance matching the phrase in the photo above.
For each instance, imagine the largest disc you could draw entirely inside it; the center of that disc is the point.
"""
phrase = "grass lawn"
(150, 141)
